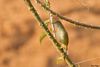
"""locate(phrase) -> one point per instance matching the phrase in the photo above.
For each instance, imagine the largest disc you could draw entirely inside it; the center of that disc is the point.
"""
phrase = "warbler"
(60, 33)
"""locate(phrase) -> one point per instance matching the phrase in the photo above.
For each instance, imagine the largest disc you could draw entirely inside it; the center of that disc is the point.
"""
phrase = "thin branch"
(67, 19)
(87, 60)
(56, 44)
(51, 18)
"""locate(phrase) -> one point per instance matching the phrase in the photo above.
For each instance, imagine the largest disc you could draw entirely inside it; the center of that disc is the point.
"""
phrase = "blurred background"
(20, 33)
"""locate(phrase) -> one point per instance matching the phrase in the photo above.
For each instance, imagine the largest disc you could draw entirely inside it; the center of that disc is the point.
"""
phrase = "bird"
(60, 33)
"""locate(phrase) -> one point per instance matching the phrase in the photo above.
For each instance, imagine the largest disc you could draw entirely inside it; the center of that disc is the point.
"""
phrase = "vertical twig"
(50, 16)
(56, 44)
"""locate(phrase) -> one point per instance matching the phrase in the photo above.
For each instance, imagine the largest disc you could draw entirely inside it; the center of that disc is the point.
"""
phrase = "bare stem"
(67, 19)
(51, 18)
(56, 44)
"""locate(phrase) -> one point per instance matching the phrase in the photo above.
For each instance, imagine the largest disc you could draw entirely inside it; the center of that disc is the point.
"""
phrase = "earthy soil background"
(19, 34)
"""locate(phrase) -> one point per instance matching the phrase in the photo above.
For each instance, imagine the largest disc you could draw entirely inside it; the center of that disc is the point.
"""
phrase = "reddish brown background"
(19, 34)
